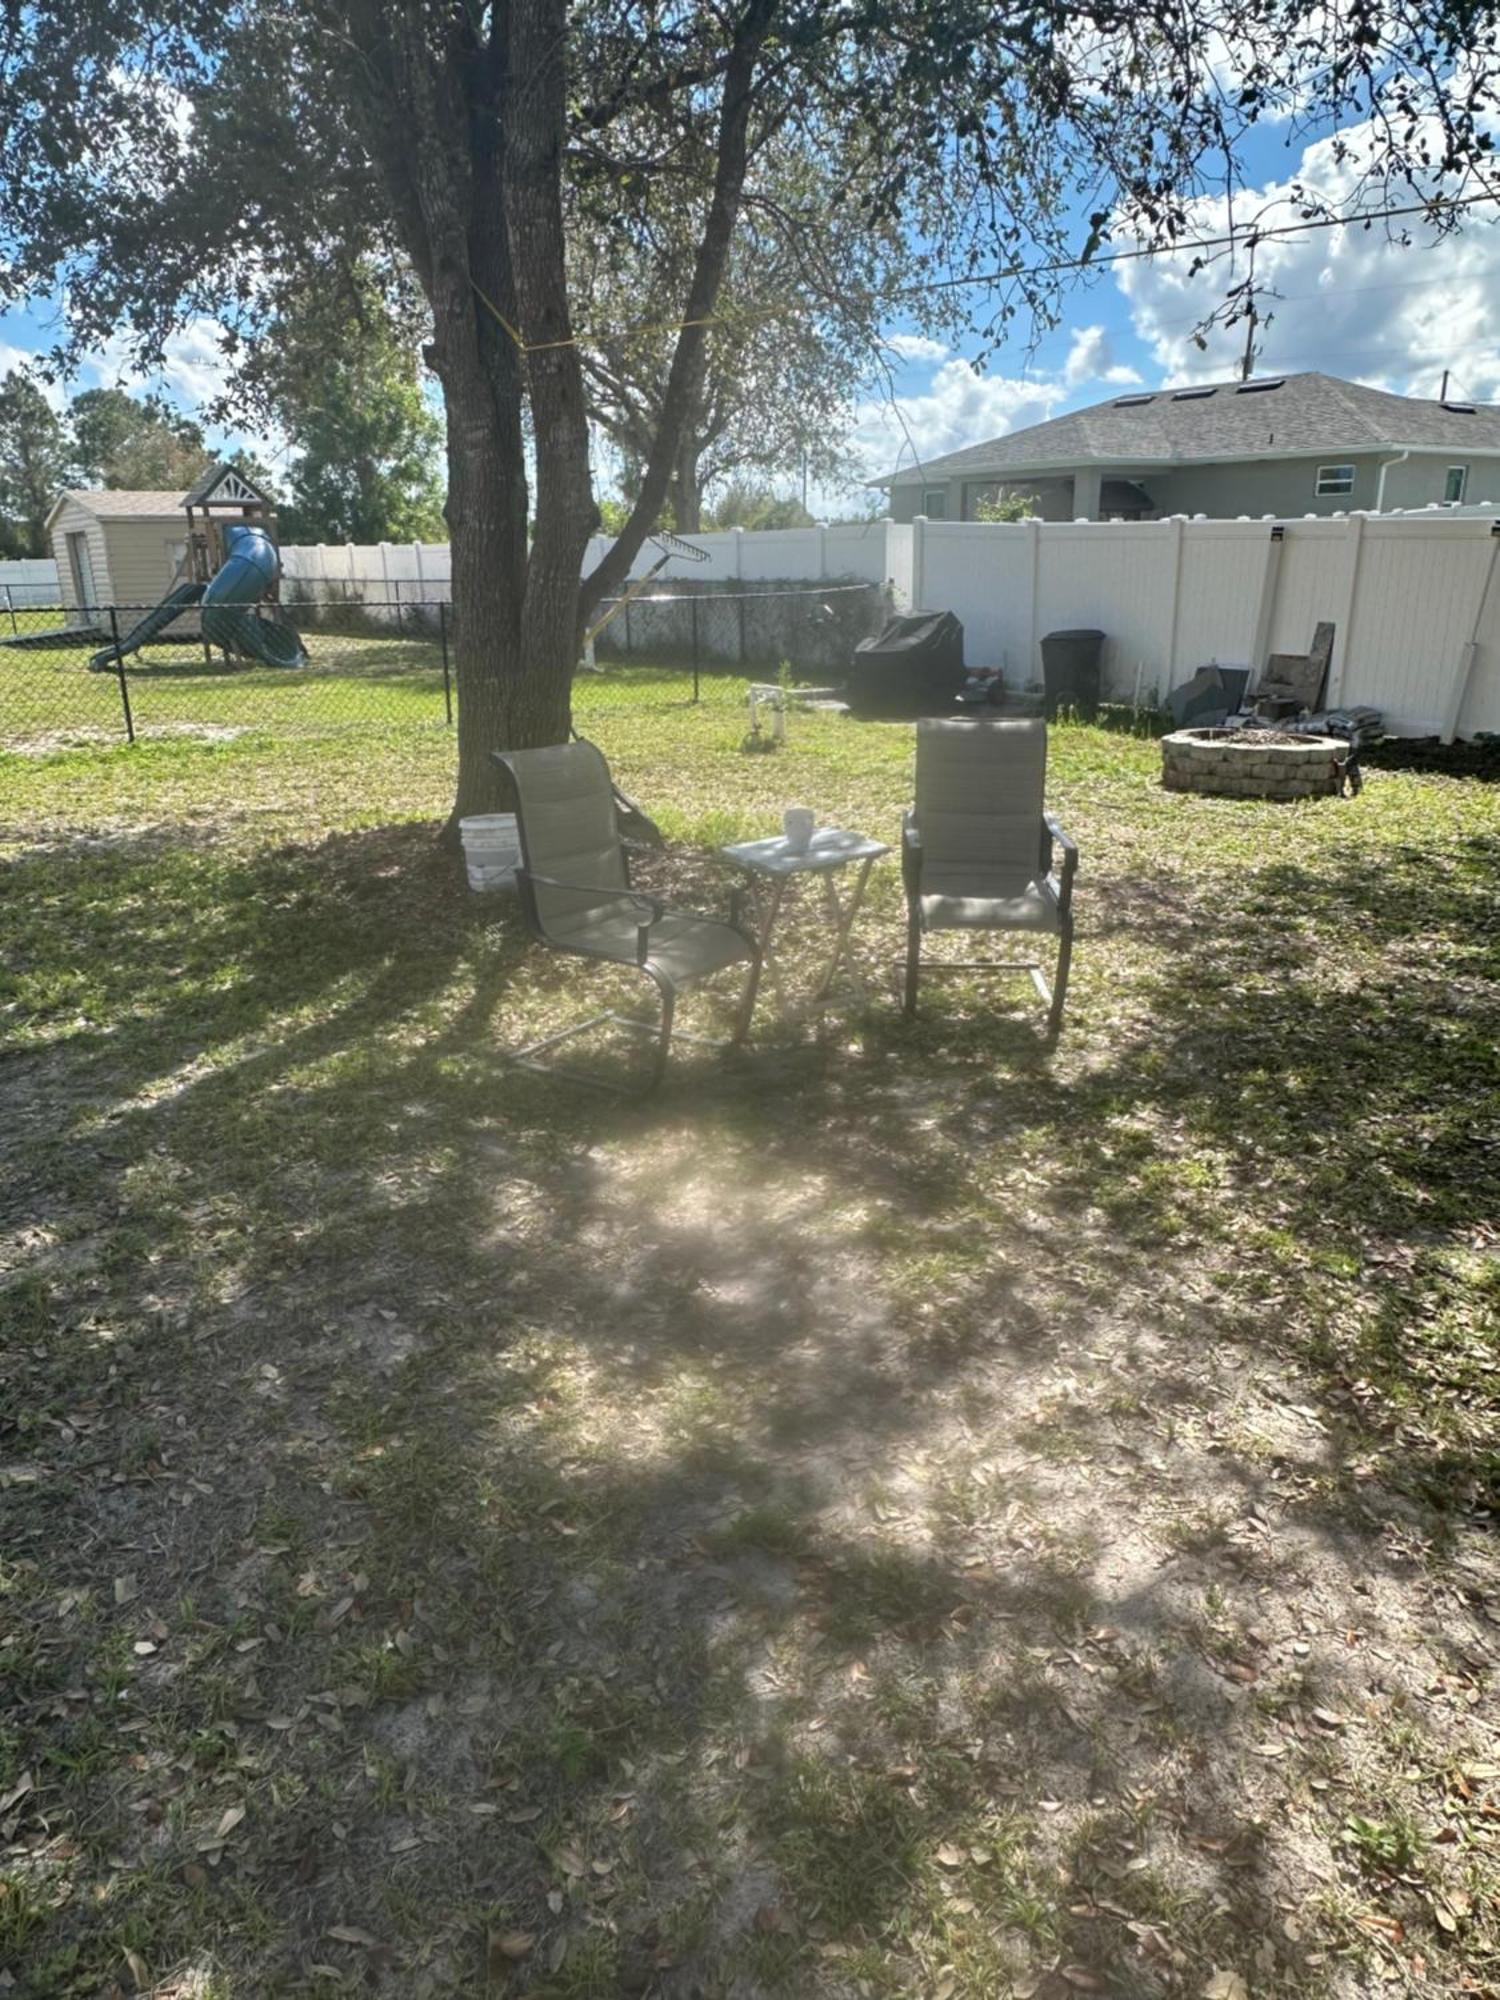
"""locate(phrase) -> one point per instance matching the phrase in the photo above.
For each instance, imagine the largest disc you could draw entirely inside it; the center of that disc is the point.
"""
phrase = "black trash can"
(1070, 671)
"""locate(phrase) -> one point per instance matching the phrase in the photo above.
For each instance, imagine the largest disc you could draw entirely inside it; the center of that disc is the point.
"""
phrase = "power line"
(1050, 267)
(1236, 239)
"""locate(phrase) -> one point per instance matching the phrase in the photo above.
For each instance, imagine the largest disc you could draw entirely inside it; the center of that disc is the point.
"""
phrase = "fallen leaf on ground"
(17, 1792)
(349, 1934)
(1226, 1986)
(506, 1947)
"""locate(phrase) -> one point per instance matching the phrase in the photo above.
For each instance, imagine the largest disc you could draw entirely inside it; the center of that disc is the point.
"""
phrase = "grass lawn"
(49, 698)
(894, 1514)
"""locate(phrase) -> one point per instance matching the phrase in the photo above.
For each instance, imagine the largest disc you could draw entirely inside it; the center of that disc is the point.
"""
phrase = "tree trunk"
(507, 699)
(469, 136)
(687, 493)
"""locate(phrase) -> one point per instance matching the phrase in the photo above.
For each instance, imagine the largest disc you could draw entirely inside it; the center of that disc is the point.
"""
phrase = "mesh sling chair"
(574, 887)
(979, 852)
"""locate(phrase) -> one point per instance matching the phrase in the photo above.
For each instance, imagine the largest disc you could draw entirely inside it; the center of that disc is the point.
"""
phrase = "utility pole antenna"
(1443, 392)
(1252, 320)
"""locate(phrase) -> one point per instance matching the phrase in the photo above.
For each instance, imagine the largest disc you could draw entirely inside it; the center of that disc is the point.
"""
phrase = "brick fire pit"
(1253, 763)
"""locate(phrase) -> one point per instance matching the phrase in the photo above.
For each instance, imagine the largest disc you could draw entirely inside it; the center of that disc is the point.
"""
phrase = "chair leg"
(747, 1003)
(664, 1037)
(913, 959)
(1060, 984)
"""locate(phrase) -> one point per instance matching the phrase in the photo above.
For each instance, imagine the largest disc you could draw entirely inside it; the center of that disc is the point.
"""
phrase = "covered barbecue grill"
(913, 666)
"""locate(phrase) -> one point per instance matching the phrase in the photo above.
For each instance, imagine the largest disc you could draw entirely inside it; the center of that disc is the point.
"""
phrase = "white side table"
(773, 862)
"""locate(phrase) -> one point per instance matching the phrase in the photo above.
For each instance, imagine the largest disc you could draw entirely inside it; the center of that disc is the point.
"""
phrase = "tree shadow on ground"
(779, 1538)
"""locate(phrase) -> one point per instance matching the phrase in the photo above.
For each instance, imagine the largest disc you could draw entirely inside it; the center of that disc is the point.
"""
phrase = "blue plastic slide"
(229, 600)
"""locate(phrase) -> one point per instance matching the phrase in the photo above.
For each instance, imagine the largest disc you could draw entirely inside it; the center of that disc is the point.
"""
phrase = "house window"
(935, 503)
(1455, 485)
(1334, 479)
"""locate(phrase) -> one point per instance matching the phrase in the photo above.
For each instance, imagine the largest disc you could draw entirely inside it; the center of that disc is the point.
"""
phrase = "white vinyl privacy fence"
(368, 572)
(26, 581)
(1414, 598)
(858, 552)
(383, 572)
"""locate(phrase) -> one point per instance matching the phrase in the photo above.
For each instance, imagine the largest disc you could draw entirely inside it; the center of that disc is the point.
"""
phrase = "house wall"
(1284, 487)
(1281, 486)
(1419, 482)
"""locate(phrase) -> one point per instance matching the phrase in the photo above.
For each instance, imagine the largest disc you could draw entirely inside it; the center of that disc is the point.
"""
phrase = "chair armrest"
(1057, 838)
(653, 906)
(911, 853)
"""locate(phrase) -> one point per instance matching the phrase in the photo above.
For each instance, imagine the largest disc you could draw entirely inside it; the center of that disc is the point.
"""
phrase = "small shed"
(120, 548)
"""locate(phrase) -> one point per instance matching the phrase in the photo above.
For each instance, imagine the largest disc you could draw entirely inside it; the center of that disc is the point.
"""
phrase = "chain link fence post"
(114, 634)
(447, 670)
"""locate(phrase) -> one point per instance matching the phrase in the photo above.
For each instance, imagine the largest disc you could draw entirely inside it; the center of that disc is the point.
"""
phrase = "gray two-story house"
(1283, 444)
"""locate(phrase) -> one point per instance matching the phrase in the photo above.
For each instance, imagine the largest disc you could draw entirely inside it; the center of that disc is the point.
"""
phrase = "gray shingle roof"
(120, 502)
(1303, 413)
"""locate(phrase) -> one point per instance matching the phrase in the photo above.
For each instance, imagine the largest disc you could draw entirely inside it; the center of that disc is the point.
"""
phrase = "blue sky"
(1351, 302)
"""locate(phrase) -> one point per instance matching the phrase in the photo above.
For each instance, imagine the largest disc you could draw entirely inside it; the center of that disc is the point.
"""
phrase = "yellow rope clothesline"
(524, 346)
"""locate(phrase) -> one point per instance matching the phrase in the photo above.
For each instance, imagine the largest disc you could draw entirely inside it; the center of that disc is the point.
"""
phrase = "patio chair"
(979, 852)
(575, 894)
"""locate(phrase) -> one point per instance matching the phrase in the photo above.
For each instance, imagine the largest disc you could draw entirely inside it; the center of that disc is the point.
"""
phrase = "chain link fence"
(67, 679)
(751, 627)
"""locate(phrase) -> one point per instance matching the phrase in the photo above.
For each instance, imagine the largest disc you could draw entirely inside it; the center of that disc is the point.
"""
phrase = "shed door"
(82, 564)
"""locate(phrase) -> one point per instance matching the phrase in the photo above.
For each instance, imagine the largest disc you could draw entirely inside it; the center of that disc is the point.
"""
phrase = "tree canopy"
(340, 378)
(251, 151)
(33, 461)
(809, 286)
(121, 441)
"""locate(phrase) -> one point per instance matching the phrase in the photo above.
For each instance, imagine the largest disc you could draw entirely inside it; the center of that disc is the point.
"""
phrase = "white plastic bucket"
(492, 850)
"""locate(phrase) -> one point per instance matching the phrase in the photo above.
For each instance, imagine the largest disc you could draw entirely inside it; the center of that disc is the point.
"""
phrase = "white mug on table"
(797, 824)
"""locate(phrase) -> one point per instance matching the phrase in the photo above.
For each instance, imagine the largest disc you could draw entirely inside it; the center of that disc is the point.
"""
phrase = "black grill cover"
(912, 666)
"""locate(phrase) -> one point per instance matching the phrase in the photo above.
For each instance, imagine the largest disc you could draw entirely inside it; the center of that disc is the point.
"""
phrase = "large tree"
(123, 441)
(340, 377)
(810, 283)
(33, 460)
(466, 138)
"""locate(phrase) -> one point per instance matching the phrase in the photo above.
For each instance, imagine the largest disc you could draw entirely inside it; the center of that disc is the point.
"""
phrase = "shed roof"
(118, 504)
(1203, 422)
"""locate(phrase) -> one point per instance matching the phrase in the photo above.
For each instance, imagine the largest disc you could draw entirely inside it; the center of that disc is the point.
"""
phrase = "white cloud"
(1353, 302)
(959, 407)
(1091, 359)
(21, 359)
(192, 370)
(917, 347)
